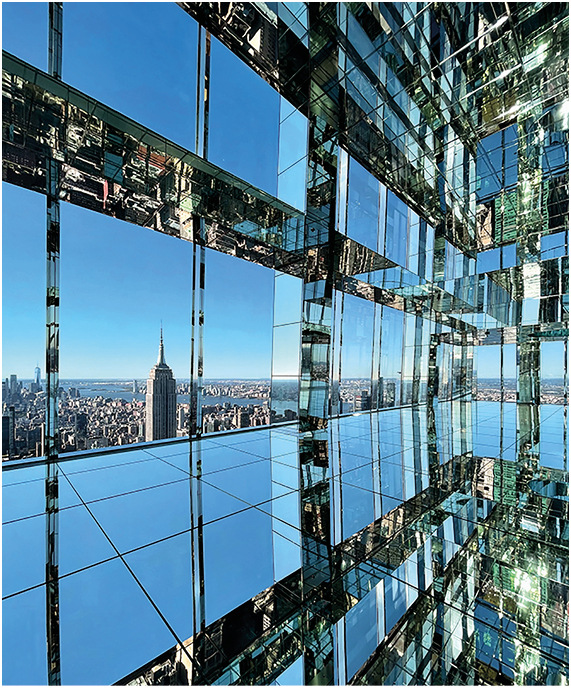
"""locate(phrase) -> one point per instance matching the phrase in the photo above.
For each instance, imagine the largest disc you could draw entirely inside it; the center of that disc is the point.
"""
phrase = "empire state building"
(160, 400)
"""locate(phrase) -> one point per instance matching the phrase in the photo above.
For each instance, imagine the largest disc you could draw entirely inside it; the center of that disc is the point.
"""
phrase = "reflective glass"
(361, 632)
(116, 54)
(27, 564)
(363, 206)
(396, 229)
(82, 542)
(292, 165)
(240, 545)
(28, 21)
(24, 639)
(104, 613)
(104, 398)
(23, 298)
(244, 121)
(250, 483)
(139, 518)
(108, 482)
(164, 571)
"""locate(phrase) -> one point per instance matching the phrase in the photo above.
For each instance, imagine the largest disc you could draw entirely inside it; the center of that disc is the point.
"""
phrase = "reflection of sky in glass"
(24, 638)
(138, 58)
(113, 302)
(29, 43)
(234, 568)
(552, 359)
(238, 306)
(244, 120)
(99, 608)
(292, 156)
(363, 206)
(23, 281)
(356, 350)
(391, 342)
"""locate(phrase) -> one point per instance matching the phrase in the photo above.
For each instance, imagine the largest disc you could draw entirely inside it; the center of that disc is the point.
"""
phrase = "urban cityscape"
(94, 414)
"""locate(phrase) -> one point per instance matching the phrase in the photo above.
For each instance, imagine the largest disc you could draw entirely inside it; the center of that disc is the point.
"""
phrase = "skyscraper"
(161, 400)
(38, 379)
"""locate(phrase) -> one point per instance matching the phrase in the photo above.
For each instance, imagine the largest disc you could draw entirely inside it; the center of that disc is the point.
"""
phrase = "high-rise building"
(14, 386)
(181, 418)
(160, 409)
(9, 433)
(38, 379)
(363, 401)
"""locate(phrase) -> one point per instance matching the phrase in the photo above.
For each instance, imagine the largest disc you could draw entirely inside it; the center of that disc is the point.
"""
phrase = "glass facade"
(344, 229)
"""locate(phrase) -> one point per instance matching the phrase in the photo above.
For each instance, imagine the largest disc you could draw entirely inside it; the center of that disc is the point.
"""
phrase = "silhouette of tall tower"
(160, 400)
(36, 385)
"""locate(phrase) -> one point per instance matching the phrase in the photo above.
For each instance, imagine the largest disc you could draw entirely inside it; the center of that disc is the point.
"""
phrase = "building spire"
(161, 360)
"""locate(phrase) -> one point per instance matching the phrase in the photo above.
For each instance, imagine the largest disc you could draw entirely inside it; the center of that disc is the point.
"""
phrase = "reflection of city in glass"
(285, 337)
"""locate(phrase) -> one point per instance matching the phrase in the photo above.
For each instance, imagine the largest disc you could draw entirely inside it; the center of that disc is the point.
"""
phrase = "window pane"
(363, 208)
(117, 52)
(396, 232)
(116, 295)
(237, 343)
(25, 31)
(356, 354)
(24, 322)
(244, 121)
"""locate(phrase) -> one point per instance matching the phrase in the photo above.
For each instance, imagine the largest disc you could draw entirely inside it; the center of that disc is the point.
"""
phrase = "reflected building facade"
(410, 526)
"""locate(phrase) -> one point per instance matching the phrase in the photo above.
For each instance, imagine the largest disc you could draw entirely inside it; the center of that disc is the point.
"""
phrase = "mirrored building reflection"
(354, 219)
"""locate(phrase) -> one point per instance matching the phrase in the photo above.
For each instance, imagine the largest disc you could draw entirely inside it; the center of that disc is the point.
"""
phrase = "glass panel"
(553, 245)
(117, 54)
(363, 206)
(27, 564)
(25, 31)
(285, 356)
(292, 156)
(237, 343)
(356, 354)
(242, 545)
(104, 613)
(138, 518)
(391, 356)
(24, 638)
(164, 570)
(361, 632)
(111, 390)
(244, 121)
(396, 229)
(23, 322)
(287, 299)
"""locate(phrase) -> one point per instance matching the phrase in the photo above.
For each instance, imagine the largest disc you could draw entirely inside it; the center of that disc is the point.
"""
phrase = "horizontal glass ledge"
(114, 165)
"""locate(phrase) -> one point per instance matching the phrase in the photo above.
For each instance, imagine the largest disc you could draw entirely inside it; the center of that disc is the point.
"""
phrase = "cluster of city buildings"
(245, 389)
(227, 416)
(94, 422)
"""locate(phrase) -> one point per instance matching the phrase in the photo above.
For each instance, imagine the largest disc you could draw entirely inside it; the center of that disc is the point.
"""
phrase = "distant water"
(279, 405)
(123, 390)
